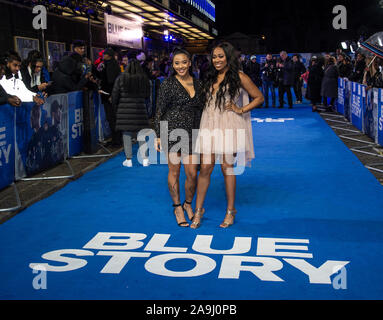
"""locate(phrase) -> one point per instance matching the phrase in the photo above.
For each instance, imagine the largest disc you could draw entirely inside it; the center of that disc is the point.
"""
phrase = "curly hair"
(231, 83)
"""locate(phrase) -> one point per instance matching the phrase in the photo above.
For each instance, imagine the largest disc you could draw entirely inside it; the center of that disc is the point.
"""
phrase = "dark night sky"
(298, 25)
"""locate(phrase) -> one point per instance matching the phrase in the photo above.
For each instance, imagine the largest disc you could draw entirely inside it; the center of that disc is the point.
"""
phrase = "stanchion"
(53, 177)
(91, 145)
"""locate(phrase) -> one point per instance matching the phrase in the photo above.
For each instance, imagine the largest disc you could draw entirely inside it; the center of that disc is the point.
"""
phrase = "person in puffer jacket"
(130, 90)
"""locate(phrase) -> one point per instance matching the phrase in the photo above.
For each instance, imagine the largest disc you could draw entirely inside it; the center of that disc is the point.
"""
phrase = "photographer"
(268, 72)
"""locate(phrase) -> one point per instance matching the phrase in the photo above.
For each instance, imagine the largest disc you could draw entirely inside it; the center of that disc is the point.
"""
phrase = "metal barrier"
(36, 138)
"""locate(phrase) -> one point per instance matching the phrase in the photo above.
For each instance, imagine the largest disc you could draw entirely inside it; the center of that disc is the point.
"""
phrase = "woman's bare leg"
(230, 186)
(191, 172)
(203, 182)
(174, 186)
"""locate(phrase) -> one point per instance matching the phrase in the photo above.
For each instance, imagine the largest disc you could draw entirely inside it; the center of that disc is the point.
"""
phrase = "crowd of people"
(29, 80)
(204, 93)
(320, 77)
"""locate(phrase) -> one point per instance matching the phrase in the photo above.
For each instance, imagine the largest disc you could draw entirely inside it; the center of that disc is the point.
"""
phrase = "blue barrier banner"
(7, 146)
(103, 125)
(370, 112)
(378, 99)
(75, 123)
(41, 135)
(96, 103)
(358, 95)
(341, 96)
(347, 99)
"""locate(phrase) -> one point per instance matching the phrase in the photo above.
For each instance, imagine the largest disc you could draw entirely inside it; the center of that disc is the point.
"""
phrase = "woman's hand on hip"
(157, 145)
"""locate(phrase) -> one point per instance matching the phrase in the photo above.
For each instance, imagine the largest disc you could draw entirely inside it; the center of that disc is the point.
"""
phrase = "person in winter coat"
(344, 68)
(33, 77)
(107, 72)
(358, 70)
(298, 70)
(287, 80)
(129, 93)
(64, 77)
(314, 82)
(330, 83)
(253, 70)
(268, 71)
(11, 81)
(4, 96)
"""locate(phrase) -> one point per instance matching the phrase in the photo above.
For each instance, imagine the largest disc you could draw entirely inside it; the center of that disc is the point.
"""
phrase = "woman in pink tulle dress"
(225, 133)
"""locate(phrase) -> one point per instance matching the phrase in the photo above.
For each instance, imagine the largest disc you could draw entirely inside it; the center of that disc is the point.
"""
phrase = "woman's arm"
(161, 107)
(162, 104)
(253, 92)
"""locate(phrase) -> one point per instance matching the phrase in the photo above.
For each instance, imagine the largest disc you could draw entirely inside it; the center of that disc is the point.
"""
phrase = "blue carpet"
(304, 184)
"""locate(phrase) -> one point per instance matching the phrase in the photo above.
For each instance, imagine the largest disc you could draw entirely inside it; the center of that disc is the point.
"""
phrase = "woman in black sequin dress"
(179, 108)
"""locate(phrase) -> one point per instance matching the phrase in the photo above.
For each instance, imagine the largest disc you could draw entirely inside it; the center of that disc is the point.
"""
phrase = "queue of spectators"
(324, 71)
(321, 76)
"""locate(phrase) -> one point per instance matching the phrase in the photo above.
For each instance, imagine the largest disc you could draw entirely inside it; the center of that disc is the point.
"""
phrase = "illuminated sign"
(122, 32)
(204, 6)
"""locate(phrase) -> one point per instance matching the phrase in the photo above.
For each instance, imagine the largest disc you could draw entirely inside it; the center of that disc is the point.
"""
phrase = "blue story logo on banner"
(357, 101)
(7, 152)
(76, 125)
(379, 99)
(340, 102)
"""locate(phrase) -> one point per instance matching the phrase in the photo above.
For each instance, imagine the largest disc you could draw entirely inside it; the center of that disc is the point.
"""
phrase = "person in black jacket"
(64, 77)
(344, 68)
(298, 70)
(253, 70)
(32, 74)
(330, 83)
(314, 82)
(268, 72)
(108, 72)
(129, 93)
(358, 70)
(287, 81)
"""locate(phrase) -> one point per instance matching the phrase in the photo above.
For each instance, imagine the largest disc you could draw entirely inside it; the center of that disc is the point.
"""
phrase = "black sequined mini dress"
(178, 115)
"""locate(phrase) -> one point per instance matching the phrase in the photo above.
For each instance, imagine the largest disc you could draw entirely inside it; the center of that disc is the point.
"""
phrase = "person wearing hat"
(268, 71)
(108, 74)
(253, 70)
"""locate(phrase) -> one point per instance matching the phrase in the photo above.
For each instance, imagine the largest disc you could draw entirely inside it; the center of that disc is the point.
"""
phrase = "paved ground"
(33, 191)
(374, 153)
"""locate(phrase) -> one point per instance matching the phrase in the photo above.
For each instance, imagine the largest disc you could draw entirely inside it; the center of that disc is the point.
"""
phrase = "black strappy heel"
(184, 223)
(190, 218)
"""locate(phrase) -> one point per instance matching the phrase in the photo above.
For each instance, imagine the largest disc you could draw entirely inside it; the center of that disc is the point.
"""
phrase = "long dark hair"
(134, 79)
(186, 53)
(231, 82)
